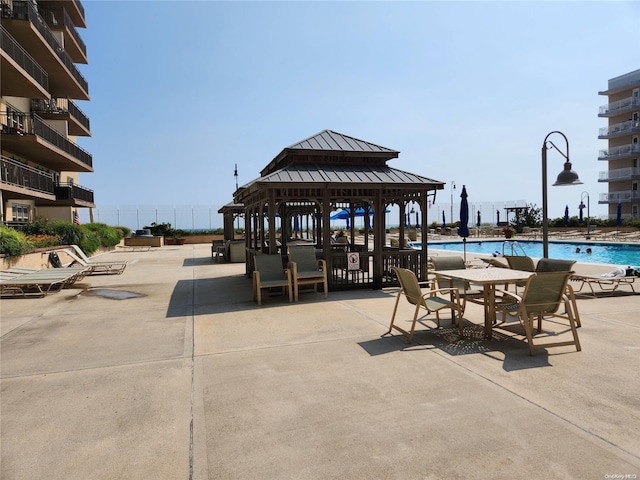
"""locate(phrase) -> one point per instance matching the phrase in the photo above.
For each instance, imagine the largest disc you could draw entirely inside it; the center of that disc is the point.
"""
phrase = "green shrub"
(107, 236)
(12, 242)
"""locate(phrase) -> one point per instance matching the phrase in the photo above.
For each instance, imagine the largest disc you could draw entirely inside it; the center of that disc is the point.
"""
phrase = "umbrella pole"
(464, 243)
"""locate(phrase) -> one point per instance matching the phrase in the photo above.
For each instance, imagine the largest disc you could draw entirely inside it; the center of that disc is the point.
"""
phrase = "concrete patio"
(172, 371)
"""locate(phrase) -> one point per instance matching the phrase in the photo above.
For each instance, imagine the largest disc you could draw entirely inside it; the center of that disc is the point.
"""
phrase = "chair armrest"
(322, 264)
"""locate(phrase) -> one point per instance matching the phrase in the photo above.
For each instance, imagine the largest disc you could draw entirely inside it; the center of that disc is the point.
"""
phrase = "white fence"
(206, 217)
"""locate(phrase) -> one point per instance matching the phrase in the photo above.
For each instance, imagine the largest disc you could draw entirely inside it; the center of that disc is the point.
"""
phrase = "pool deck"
(172, 371)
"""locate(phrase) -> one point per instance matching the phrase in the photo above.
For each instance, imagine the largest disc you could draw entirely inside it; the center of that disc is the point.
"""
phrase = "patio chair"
(520, 262)
(269, 274)
(543, 296)
(306, 270)
(465, 291)
(554, 265)
(431, 300)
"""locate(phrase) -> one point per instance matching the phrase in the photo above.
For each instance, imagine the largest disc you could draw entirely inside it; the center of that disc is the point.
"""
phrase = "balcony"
(74, 9)
(621, 106)
(27, 27)
(60, 21)
(619, 174)
(619, 152)
(63, 109)
(620, 129)
(74, 195)
(22, 181)
(21, 74)
(31, 137)
(625, 196)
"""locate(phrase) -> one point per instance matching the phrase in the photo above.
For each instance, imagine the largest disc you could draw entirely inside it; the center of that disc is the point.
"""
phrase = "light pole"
(581, 207)
(453, 187)
(566, 177)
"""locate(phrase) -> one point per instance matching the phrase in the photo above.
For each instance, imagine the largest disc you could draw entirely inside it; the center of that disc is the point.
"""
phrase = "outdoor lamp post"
(453, 187)
(581, 207)
(566, 177)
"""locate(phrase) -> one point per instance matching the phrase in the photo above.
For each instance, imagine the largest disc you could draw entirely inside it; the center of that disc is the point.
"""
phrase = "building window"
(20, 212)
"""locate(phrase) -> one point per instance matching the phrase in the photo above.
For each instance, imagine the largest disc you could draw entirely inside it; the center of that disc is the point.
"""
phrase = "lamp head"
(567, 176)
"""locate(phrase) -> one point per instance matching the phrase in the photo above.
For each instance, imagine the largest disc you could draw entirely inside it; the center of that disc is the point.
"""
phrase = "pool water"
(622, 254)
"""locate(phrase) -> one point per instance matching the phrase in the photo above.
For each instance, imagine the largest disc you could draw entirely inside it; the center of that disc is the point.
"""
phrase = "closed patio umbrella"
(566, 216)
(444, 220)
(619, 215)
(463, 231)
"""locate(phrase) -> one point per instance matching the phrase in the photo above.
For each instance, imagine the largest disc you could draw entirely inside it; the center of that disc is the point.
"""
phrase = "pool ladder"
(516, 248)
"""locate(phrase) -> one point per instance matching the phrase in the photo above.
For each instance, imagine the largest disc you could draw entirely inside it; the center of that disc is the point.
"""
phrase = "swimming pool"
(622, 254)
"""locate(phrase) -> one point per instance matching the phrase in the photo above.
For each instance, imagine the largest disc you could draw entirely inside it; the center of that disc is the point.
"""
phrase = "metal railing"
(71, 191)
(619, 174)
(619, 151)
(18, 174)
(34, 125)
(26, 11)
(624, 104)
(624, 196)
(62, 106)
(51, 18)
(629, 126)
(22, 58)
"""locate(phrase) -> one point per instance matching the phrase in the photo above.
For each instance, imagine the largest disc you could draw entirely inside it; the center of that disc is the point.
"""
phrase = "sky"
(182, 91)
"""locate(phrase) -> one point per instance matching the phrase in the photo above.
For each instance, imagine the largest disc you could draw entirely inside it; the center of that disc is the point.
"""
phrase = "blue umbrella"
(296, 223)
(463, 231)
(580, 217)
(444, 220)
(619, 215)
(566, 215)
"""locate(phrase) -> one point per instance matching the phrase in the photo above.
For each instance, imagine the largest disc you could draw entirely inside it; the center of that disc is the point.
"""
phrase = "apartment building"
(40, 121)
(623, 151)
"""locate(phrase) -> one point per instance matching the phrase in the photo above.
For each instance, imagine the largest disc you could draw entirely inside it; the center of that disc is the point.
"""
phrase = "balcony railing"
(26, 11)
(24, 124)
(625, 196)
(52, 18)
(22, 58)
(619, 174)
(62, 106)
(620, 106)
(623, 128)
(71, 191)
(619, 152)
(18, 174)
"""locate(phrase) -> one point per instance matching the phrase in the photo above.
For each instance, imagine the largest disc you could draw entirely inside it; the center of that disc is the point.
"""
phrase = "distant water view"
(622, 254)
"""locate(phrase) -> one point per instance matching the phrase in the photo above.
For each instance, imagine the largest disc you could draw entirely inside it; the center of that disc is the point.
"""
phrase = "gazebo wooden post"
(325, 223)
(271, 206)
(403, 216)
(424, 228)
(378, 239)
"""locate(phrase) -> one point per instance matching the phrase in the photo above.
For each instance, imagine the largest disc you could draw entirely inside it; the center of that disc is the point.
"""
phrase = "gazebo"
(327, 172)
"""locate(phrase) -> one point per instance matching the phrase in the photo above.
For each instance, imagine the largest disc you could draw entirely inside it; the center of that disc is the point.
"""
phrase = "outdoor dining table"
(488, 278)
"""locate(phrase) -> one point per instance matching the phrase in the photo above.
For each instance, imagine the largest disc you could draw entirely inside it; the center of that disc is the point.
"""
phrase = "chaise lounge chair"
(95, 267)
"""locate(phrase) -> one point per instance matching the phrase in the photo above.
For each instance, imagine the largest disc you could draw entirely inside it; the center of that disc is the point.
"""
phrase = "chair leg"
(395, 309)
(527, 324)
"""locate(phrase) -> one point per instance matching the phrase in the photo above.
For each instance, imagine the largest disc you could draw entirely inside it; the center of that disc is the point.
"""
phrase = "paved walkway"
(171, 371)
